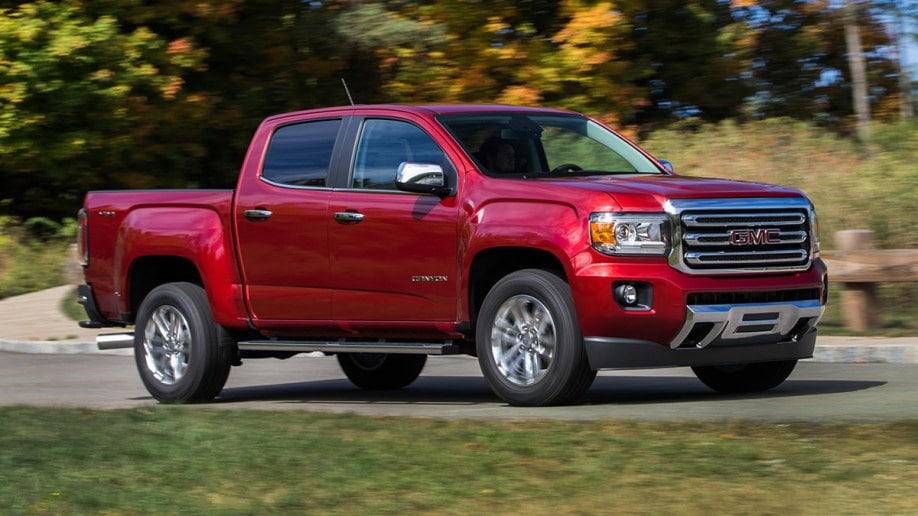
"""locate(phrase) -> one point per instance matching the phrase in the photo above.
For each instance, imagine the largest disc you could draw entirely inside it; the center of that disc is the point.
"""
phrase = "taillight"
(83, 237)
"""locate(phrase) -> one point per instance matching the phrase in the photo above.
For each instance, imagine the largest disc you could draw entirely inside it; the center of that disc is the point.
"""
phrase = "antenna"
(344, 83)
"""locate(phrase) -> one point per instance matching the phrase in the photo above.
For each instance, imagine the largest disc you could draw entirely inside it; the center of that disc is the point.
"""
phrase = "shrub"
(853, 187)
(32, 254)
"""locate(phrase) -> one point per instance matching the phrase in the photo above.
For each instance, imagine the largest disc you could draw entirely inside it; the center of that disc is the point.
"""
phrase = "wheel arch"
(490, 265)
(148, 272)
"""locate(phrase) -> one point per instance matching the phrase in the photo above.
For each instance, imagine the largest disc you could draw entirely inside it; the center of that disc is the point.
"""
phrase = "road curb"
(38, 347)
(867, 353)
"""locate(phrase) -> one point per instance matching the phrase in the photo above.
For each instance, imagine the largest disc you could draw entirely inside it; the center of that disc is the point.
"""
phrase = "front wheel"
(530, 349)
(182, 355)
(746, 377)
(381, 371)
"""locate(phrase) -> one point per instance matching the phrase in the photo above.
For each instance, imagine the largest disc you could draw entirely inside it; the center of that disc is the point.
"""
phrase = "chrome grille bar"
(757, 258)
(722, 239)
(737, 235)
(743, 219)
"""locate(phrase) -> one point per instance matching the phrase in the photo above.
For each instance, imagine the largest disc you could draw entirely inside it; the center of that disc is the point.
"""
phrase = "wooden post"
(859, 300)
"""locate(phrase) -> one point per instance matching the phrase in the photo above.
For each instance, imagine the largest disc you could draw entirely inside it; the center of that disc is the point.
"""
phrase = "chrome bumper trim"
(744, 321)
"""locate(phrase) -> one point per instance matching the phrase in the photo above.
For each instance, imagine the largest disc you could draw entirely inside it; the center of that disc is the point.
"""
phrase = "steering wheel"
(567, 167)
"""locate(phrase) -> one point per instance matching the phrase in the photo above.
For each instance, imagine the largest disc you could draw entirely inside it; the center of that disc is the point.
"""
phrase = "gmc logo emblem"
(755, 236)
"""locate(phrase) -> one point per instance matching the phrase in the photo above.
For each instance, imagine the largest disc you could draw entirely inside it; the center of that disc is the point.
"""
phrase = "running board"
(344, 346)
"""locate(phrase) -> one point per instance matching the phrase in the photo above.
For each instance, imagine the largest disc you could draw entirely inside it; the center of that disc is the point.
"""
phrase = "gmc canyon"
(382, 234)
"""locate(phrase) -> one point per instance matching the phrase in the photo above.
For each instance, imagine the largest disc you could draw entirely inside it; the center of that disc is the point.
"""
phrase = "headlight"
(630, 233)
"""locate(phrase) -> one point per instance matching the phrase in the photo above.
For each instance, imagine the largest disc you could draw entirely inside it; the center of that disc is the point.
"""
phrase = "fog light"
(627, 294)
(633, 296)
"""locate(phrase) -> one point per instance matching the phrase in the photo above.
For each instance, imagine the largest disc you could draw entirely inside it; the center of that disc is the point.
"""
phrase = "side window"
(386, 144)
(300, 154)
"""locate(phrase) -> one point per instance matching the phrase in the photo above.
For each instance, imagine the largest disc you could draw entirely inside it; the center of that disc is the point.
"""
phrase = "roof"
(428, 109)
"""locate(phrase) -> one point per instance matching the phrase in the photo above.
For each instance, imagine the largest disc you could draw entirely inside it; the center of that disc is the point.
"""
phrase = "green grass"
(172, 460)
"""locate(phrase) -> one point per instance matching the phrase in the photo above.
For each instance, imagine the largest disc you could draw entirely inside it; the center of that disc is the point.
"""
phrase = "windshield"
(535, 146)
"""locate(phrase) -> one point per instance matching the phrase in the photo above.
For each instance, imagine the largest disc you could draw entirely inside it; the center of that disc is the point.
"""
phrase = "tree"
(132, 94)
(903, 15)
(700, 55)
(75, 94)
(259, 58)
(800, 62)
(858, 67)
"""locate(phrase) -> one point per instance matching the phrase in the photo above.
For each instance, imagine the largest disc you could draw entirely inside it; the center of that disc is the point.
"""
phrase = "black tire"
(187, 357)
(745, 378)
(381, 371)
(528, 340)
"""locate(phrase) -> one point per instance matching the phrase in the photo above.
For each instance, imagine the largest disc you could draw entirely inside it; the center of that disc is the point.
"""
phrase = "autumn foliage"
(132, 94)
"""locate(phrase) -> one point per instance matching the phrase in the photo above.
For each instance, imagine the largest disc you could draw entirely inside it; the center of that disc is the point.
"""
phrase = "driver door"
(393, 253)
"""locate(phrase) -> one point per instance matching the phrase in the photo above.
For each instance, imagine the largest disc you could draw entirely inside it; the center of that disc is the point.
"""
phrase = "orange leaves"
(520, 95)
(591, 36)
(179, 46)
(589, 26)
(743, 4)
(172, 88)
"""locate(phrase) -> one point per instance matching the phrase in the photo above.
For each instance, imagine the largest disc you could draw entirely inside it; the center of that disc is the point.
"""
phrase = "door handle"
(257, 214)
(348, 217)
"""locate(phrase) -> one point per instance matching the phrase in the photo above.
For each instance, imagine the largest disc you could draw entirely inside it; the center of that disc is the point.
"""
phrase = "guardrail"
(859, 268)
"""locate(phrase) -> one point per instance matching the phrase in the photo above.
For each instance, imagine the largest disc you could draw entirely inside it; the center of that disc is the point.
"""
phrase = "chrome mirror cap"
(422, 178)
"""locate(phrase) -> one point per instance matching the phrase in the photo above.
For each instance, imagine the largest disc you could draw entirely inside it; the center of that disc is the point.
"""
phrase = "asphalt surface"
(452, 388)
(47, 360)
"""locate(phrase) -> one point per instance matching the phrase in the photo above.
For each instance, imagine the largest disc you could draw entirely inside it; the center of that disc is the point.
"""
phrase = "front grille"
(742, 235)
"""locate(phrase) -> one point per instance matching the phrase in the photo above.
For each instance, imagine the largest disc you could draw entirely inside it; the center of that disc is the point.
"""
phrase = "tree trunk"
(906, 107)
(858, 67)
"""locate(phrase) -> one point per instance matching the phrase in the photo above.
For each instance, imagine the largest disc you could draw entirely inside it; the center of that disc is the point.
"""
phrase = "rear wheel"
(381, 371)
(746, 377)
(529, 345)
(181, 354)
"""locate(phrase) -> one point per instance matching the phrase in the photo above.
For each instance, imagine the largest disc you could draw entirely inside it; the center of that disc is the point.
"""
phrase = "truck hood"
(647, 192)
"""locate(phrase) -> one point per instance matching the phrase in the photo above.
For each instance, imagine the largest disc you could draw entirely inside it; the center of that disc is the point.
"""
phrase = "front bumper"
(666, 314)
(720, 335)
(613, 353)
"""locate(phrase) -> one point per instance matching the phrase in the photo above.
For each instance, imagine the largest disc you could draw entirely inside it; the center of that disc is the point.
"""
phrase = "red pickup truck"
(539, 240)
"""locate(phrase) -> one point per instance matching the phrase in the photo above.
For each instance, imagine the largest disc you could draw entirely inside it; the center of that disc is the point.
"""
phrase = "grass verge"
(178, 460)
(71, 308)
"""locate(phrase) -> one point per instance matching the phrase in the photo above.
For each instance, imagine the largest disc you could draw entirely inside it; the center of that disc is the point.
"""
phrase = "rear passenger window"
(300, 154)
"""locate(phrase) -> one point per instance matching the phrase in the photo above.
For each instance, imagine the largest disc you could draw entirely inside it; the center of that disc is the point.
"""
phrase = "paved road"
(451, 387)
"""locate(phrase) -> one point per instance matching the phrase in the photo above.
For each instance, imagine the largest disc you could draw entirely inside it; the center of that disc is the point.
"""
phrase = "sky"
(911, 52)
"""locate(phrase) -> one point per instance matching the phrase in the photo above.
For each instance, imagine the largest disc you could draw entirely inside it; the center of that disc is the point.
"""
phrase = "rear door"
(393, 254)
(282, 223)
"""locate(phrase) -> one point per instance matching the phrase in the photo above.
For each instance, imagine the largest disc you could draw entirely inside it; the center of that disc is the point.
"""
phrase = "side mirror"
(422, 178)
(667, 165)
